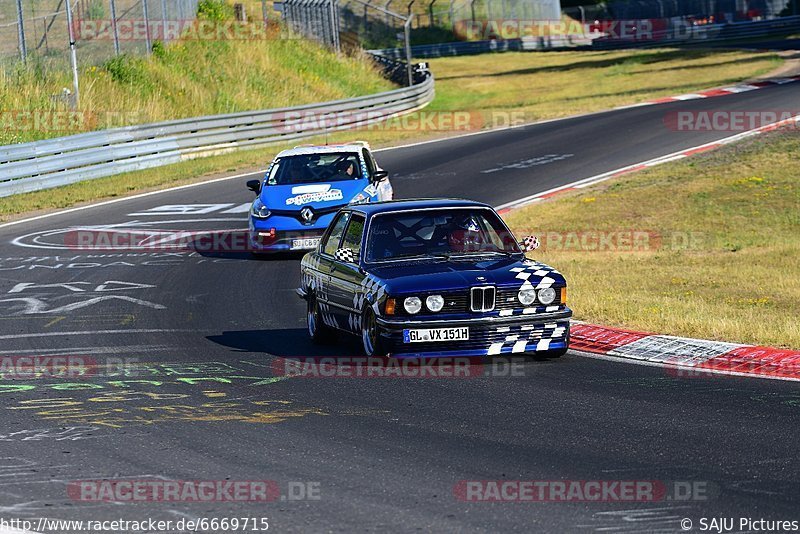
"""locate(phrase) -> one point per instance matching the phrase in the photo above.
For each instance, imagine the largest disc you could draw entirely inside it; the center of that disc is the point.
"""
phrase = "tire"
(370, 340)
(318, 331)
(557, 353)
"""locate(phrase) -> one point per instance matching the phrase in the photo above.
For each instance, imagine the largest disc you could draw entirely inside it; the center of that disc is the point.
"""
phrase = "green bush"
(128, 70)
(216, 10)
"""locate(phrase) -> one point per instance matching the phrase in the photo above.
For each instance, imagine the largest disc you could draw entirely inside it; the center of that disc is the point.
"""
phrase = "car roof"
(415, 204)
(354, 146)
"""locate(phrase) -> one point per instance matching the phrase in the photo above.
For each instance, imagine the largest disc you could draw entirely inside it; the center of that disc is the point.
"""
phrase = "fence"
(56, 162)
(38, 31)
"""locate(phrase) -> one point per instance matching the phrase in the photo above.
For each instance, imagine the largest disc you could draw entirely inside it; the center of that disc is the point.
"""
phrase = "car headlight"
(360, 198)
(547, 295)
(412, 305)
(259, 210)
(527, 296)
(434, 303)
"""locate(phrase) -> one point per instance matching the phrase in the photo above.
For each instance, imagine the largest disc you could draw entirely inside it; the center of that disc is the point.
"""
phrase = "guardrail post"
(114, 29)
(73, 56)
(23, 49)
(147, 43)
(164, 20)
(407, 35)
(335, 26)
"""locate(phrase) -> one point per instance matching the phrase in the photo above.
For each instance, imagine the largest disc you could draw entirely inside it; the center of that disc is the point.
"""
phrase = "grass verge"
(718, 254)
(529, 85)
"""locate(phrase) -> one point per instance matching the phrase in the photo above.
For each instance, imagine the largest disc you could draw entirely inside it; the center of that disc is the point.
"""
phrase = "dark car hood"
(416, 276)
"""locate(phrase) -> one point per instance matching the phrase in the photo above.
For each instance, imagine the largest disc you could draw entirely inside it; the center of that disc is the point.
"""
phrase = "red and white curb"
(686, 356)
(586, 182)
(722, 91)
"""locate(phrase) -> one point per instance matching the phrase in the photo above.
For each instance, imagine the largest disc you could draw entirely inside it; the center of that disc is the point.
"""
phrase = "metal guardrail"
(56, 162)
(687, 36)
(708, 34)
(457, 48)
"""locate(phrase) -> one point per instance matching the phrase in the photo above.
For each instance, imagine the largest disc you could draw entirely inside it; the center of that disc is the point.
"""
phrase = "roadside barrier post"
(147, 43)
(23, 49)
(114, 29)
(73, 56)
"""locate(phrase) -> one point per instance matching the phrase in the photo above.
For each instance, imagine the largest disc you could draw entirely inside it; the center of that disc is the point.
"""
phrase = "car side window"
(335, 235)
(369, 161)
(352, 236)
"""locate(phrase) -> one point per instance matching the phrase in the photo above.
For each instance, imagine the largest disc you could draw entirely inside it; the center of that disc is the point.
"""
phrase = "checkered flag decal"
(535, 269)
(345, 254)
(530, 242)
(529, 338)
(369, 286)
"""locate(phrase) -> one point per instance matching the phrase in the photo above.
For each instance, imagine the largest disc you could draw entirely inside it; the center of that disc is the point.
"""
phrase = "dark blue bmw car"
(420, 278)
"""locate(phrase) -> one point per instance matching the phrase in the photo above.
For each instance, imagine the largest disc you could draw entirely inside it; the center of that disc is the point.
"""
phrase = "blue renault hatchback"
(419, 278)
(304, 188)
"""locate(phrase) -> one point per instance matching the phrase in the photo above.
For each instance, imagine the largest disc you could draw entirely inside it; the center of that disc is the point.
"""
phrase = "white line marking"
(94, 333)
(585, 182)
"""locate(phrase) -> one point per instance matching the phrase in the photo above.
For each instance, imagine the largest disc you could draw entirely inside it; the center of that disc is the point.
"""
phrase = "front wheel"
(370, 339)
(317, 329)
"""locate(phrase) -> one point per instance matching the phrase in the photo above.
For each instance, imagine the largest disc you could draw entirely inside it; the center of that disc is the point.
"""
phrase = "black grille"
(482, 298)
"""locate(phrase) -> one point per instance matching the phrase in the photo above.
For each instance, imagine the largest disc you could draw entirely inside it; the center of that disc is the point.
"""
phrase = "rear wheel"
(370, 339)
(317, 329)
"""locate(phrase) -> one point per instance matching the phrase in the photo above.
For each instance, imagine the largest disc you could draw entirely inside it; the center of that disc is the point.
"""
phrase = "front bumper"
(488, 336)
(286, 230)
(282, 242)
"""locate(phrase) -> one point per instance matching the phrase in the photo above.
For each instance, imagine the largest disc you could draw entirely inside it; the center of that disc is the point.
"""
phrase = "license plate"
(428, 335)
(305, 243)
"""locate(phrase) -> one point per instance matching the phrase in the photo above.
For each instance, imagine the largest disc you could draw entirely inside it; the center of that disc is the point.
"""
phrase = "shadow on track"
(294, 343)
(286, 342)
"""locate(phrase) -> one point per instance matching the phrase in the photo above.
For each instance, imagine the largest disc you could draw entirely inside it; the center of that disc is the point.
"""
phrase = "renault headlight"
(259, 210)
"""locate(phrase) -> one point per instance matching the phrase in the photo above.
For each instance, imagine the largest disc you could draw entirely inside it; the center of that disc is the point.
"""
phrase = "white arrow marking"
(19, 288)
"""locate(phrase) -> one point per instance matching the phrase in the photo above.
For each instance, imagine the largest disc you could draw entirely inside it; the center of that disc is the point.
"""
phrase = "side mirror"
(345, 255)
(379, 175)
(254, 186)
(529, 243)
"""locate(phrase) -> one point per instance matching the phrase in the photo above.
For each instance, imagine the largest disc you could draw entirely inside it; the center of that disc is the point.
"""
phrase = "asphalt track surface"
(386, 454)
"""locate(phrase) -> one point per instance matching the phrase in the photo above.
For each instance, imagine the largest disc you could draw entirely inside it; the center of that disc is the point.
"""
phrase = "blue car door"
(327, 293)
(346, 277)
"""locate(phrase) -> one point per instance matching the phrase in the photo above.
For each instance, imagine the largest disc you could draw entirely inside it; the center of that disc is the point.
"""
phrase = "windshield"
(442, 233)
(314, 168)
